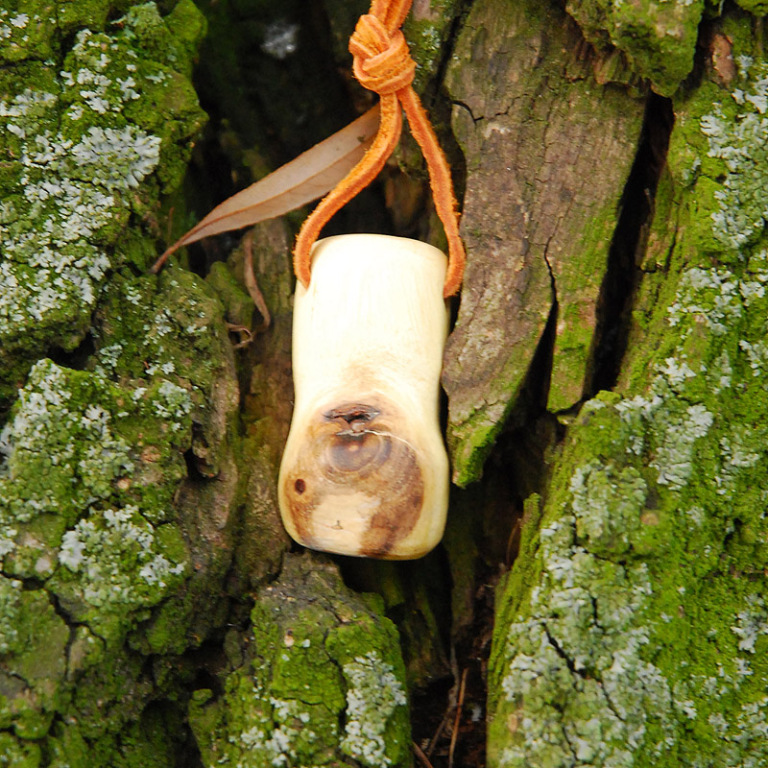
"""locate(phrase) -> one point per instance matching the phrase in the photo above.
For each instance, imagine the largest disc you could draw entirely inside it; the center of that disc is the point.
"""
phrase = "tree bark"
(598, 596)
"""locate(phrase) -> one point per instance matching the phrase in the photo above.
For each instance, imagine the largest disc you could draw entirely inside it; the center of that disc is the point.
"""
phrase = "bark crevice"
(623, 272)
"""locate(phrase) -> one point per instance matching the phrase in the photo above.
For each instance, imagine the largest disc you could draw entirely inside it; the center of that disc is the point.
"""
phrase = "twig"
(457, 719)
(246, 337)
(446, 715)
(250, 281)
(419, 752)
(438, 734)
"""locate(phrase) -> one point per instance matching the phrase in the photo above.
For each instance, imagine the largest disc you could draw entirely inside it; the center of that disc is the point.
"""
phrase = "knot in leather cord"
(383, 64)
(382, 61)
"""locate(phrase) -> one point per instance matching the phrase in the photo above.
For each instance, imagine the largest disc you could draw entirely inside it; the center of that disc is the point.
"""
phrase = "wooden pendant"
(365, 471)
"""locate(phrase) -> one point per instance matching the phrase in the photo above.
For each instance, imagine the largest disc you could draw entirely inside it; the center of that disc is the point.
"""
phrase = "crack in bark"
(465, 106)
(595, 614)
(549, 265)
(563, 655)
(610, 702)
(449, 44)
(71, 625)
(480, 118)
(623, 273)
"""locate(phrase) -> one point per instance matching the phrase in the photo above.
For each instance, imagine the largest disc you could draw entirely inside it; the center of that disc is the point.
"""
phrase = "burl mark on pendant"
(354, 474)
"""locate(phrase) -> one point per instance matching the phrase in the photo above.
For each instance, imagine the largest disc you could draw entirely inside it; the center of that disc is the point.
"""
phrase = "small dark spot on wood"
(300, 486)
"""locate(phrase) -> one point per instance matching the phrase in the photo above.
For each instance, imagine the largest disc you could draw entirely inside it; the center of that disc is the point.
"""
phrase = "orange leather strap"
(383, 64)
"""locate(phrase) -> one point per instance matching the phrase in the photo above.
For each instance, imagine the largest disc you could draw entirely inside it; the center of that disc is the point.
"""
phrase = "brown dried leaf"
(308, 177)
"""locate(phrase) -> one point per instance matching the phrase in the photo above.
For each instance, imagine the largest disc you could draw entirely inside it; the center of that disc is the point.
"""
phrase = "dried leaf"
(311, 175)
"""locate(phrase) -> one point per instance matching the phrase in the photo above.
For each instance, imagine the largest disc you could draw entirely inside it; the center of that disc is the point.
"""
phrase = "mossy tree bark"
(629, 631)
(605, 383)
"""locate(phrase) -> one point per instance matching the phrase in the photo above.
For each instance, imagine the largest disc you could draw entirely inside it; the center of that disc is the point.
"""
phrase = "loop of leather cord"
(383, 64)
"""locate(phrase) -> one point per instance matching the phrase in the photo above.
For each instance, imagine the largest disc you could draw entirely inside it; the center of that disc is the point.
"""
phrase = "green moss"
(152, 34)
(97, 575)
(33, 640)
(26, 31)
(589, 662)
(80, 143)
(143, 744)
(91, 459)
(324, 679)
(108, 444)
(67, 461)
(17, 754)
(632, 634)
(469, 444)
(110, 695)
(116, 563)
(577, 281)
(758, 7)
(239, 304)
(187, 26)
(418, 593)
(74, 14)
(10, 608)
(427, 29)
(77, 453)
(658, 38)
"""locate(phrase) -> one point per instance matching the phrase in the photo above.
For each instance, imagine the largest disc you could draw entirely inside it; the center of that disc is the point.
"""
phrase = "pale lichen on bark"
(634, 635)
(321, 680)
(134, 509)
(134, 513)
(79, 141)
(91, 543)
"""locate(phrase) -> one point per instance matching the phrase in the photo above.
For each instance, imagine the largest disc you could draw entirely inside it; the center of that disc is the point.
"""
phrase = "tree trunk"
(598, 596)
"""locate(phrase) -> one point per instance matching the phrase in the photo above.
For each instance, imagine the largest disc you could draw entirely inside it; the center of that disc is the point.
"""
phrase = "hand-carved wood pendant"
(365, 470)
